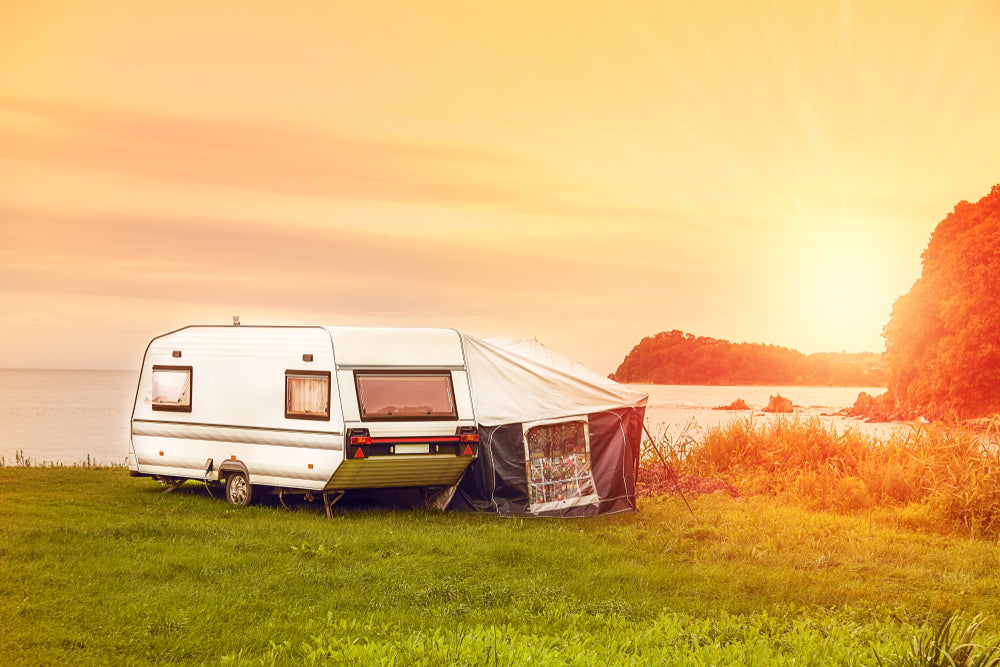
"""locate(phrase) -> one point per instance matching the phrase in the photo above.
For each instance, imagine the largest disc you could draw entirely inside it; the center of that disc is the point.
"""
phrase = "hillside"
(675, 357)
(942, 338)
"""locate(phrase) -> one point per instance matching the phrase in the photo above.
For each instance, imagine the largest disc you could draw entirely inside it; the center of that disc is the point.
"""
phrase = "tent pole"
(666, 465)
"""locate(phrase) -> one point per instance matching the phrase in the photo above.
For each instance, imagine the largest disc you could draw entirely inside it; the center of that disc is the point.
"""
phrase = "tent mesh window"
(558, 462)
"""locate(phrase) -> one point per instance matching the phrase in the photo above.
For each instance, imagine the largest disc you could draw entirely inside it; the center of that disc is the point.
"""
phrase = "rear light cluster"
(357, 438)
(361, 445)
(467, 437)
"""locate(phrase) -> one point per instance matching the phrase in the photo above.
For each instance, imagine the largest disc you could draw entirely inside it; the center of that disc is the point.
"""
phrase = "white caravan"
(304, 409)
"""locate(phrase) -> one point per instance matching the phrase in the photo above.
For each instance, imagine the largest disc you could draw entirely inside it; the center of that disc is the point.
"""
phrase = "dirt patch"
(657, 479)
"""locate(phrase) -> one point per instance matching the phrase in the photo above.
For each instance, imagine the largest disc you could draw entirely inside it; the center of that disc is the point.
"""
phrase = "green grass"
(953, 643)
(97, 568)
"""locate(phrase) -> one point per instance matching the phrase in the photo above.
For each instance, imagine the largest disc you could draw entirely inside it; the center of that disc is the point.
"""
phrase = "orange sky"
(582, 173)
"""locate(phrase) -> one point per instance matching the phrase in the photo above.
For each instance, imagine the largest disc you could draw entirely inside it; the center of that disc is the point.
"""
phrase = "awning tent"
(556, 439)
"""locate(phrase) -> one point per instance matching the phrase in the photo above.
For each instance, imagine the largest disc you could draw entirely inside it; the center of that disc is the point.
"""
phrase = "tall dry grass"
(945, 475)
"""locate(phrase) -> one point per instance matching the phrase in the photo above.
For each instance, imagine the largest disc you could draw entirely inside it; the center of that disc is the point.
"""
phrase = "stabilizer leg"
(337, 495)
(172, 484)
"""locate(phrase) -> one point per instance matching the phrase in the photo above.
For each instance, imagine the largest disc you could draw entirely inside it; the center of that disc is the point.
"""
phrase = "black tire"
(238, 489)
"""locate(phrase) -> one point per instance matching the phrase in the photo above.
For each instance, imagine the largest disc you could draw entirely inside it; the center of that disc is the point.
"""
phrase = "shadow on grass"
(353, 500)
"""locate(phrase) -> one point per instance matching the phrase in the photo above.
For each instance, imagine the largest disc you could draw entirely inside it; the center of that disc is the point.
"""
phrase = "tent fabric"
(497, 481)
(516, 381)
(615, 458)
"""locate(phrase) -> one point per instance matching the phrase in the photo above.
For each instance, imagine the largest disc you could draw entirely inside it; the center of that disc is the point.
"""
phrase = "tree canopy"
(675, 357)
(943, 338)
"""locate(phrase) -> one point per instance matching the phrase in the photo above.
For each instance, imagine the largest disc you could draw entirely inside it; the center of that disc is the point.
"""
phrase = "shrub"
(951, 644)
(951, 472)
(850, 494)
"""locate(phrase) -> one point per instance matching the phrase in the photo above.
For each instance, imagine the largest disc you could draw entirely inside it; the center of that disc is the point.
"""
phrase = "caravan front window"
(307, 395)
(558, 463)
(171, 388)
(405, 395)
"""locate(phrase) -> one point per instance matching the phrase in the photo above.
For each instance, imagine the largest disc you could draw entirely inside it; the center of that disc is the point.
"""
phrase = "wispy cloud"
(241, 154)
(202, 261)
(303, 162)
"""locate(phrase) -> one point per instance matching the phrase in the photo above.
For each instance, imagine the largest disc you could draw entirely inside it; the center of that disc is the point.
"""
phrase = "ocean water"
(673, 408)
(66, 416)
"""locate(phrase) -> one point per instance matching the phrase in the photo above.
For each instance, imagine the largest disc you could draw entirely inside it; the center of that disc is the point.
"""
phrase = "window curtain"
(308, 395)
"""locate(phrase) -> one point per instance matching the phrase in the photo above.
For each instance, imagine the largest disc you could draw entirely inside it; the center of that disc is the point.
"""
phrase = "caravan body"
(305, 408)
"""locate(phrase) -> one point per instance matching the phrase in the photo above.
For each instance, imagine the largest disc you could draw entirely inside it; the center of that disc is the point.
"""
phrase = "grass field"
(101, 568)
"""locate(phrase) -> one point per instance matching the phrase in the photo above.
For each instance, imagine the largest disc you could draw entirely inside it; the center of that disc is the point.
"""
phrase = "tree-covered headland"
(675, 357)
(942, 355)
(943, 338)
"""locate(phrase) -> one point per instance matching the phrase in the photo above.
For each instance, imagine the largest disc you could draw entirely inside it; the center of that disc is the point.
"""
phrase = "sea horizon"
(87, 416)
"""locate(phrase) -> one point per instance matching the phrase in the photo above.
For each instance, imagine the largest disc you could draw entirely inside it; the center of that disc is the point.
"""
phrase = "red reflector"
(361, 440)
(359, 454)
(468, 437)
(467, 451)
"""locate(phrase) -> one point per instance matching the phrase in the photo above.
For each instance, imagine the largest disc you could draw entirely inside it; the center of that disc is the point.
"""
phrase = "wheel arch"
(230, 465)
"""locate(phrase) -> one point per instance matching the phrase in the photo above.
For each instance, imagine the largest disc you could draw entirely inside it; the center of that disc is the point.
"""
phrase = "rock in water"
(738, 404)
(862, 407)
(871, 408)
(778, 403)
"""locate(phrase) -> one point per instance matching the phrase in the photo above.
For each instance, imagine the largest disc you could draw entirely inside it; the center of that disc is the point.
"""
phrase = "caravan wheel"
(238, 489)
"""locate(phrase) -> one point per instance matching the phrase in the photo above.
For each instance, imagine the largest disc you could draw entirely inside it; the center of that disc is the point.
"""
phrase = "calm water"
(674, 407)
(64, 416)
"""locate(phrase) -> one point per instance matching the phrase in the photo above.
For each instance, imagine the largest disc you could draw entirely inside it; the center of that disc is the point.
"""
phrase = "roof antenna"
(236, 320)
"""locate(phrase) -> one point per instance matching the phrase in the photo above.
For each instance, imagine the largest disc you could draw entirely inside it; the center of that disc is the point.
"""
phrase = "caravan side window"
(558, 462)
(171, 388)
(307, 395)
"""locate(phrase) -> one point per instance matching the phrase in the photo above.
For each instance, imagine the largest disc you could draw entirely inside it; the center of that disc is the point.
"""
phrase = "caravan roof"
(409, 347)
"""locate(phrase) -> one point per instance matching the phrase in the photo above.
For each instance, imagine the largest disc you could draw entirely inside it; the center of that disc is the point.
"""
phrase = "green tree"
(943, 338)
(675, 357)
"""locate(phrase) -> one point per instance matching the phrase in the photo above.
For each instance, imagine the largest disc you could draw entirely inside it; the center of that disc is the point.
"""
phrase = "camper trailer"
(490, 425)
(308, 409)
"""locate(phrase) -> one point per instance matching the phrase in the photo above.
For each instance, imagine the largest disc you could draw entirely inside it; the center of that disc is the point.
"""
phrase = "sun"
(842, 298)
(841, 281)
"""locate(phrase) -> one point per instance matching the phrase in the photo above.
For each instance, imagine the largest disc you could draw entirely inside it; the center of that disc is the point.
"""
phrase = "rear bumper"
(399, 470)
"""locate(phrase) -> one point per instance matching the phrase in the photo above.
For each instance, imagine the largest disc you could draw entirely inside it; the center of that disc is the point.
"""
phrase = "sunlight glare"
(841, 287)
